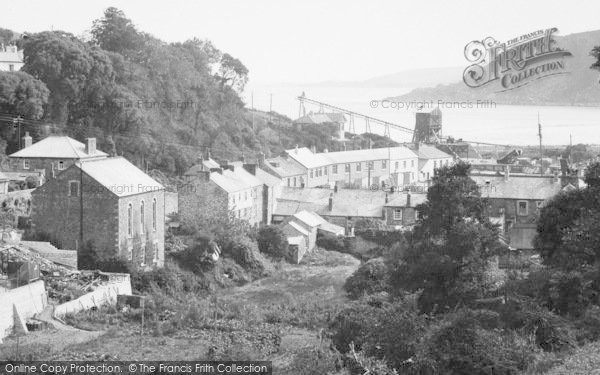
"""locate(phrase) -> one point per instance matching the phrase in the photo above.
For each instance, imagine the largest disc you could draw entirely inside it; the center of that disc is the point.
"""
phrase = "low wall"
(103, 295)
(29, 300)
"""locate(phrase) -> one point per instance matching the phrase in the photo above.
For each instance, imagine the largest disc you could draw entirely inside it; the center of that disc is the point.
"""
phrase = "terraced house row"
(396, 166)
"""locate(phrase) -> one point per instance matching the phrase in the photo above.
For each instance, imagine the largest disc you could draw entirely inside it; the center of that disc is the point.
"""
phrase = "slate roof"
(518, 186)
(119, 176)
(305, 157)
(309, 218)
(267, 178)
(247, 177)
(400, 200)
(428, 152)
(309, 159)
(57, 147)
(384, 153)
(285, 167)
(231, 181)
(346, 202)
(321, 118)
(228, 181)
(298, 228)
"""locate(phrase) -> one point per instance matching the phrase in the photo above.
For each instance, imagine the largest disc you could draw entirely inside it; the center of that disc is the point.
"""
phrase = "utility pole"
(17, 121)
(541, 149)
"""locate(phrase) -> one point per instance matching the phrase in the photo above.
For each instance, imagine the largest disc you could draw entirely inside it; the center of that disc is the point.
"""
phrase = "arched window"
(129, 219)
(154, 214)
(142, 217)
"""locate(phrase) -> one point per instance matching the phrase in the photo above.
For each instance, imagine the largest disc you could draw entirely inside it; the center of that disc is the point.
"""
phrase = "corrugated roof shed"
(57, 147)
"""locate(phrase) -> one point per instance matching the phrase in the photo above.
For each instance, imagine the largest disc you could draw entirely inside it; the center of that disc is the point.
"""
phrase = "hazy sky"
(311, 40)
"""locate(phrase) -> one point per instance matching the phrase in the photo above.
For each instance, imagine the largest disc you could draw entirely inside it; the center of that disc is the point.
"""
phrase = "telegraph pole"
(541, 149)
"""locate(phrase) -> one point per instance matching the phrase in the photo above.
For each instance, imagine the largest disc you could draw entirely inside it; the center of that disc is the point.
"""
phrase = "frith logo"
(515, 63)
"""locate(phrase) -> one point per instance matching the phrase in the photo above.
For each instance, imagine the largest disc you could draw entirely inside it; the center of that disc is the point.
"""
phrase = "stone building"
(516, 200)
(108, 205)
(11, 58)
(212, 189)
(53, 154)
(401, 211)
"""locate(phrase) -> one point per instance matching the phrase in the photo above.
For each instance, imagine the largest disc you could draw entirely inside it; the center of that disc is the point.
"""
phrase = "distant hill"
(580, 87)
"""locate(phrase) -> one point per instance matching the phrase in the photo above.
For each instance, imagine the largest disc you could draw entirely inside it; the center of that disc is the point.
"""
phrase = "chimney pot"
(27, 140)
(261, 159)
(90, 146)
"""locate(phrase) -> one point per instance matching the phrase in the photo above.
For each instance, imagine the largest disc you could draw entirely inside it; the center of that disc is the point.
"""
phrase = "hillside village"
(321, 250)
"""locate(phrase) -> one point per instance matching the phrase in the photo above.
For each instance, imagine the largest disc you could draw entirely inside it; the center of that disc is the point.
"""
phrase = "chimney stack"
(386, 198)
(243, 159)
(27, 140)
(506, 173)
(330, 202)
(313, 149)
(261, 159)
(90, 146)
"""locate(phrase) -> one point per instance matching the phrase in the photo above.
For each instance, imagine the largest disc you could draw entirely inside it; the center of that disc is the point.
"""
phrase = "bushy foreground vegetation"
(431, 306)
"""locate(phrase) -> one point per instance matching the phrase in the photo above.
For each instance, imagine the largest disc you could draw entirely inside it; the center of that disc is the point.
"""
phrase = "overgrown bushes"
(370, 278)
(272, 241)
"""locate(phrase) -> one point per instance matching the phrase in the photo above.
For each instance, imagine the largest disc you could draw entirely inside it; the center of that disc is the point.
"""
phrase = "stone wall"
(103, 295)
(26, 301)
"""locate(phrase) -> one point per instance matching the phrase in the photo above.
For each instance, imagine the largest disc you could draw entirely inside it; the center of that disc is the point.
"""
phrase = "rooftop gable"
(57, 147)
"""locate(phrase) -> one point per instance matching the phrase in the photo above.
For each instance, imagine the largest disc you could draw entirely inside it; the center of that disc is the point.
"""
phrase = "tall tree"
(66, 65)
(115, 32)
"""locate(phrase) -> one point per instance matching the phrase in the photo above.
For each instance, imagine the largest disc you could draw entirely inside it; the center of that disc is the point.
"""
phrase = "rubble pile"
(63, 288)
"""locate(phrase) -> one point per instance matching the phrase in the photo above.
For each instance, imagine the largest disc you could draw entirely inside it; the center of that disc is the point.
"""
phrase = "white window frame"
(61, 165)
(519, 213)
(397, 214)
(26, 164)
(335, 169)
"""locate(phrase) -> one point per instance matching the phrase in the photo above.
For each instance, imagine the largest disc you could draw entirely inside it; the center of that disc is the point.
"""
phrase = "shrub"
(245, 253)
(272, 241)
(551, 332)
(353, 324)
(371, 277)
(331, 242)
(460, 345)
